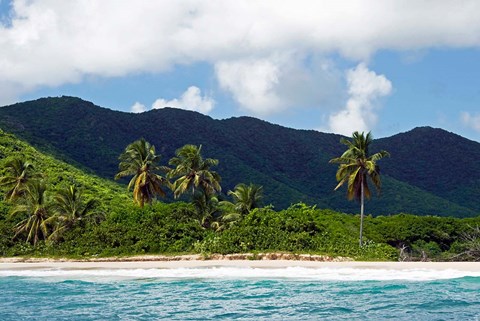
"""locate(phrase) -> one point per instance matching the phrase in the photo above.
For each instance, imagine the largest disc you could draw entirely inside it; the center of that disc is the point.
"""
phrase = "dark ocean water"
(239, 294)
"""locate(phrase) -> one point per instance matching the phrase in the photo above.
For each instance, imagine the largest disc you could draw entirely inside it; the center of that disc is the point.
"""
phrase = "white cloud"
(470, 120)
(53, 42)
(252, 83)
(364, 89)
(138, 108)
(268, 85)
(191, 99)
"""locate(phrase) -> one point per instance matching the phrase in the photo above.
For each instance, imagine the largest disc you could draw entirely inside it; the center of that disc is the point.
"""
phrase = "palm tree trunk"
(362, 198)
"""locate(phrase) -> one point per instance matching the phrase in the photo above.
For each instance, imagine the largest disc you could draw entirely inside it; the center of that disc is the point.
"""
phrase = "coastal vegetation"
(60, 210)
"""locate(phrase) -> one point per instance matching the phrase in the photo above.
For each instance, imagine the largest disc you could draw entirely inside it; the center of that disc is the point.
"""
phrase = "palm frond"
(355, 165)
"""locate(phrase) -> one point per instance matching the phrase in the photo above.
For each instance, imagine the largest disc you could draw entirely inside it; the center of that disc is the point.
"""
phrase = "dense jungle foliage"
(292, 165)
(118, 227)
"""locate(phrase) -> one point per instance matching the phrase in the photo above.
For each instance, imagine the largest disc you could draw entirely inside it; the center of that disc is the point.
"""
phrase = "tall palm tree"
(70, 207)
(33, 205)
(192, 171)
(140, 161)
(356, 168)
(18, 172)
(246, 197)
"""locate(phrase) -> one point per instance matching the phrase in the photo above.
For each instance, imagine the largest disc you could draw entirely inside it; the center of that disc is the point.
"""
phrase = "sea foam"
(301, 273)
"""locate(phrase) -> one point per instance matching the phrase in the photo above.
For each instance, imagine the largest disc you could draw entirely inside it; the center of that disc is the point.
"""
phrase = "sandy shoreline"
(196, 262)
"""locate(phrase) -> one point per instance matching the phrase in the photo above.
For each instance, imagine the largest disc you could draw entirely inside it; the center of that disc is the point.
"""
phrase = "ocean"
(229, 293)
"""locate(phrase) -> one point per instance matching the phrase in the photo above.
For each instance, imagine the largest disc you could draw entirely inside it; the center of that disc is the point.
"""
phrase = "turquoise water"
(241, 294)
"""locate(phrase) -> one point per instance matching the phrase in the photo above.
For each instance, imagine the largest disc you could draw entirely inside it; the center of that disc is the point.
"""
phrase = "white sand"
(55, 264)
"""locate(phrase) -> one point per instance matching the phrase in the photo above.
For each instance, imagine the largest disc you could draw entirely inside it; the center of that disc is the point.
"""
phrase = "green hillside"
(59, 174)
(431, 171)
(440, 162)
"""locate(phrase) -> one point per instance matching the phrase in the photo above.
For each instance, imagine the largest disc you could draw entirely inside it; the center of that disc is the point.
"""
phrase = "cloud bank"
(258, 48)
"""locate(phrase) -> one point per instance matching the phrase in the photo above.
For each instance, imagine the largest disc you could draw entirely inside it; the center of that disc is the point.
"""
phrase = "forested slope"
(430, 172)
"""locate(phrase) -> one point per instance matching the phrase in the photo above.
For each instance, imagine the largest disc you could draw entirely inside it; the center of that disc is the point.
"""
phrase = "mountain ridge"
(292, 164)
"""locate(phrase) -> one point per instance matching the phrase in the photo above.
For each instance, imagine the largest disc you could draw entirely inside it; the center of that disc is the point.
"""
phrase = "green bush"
(172, 229)
(298, 229)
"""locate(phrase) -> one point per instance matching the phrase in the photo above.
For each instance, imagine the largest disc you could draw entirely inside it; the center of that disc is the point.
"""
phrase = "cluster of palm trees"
(190, 174)
(42, 217)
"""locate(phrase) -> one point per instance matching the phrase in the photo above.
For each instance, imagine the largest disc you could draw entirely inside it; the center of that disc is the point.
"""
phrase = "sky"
(334, 66)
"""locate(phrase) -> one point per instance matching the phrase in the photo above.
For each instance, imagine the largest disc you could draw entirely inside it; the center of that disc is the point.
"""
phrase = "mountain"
(440, 162)
(431, 171)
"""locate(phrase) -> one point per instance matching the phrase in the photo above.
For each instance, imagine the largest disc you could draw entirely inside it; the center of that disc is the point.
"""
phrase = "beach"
(150, 262)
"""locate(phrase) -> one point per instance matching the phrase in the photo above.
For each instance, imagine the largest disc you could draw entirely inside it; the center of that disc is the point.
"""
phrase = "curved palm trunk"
(362, 198)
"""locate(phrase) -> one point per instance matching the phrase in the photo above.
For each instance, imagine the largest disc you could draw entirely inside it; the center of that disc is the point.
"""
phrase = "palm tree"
(206, 208)
(192, 171)
(70, 207)
(356, 168)
(33, 205)
(225, 220)
(18, 173)
(140, 161)
(246, 197)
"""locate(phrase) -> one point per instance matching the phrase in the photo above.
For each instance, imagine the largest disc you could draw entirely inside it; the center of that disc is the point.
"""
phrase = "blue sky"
(363, 65)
